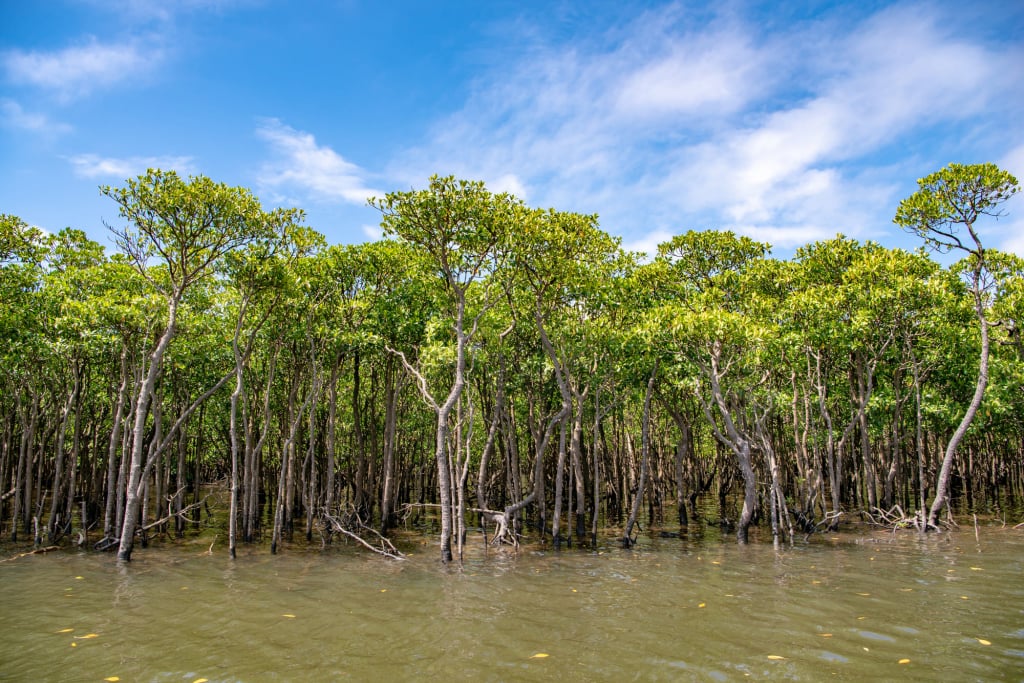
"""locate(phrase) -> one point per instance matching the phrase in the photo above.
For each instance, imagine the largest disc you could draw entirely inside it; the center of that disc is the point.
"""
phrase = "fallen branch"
(37, 551)
(385, 547)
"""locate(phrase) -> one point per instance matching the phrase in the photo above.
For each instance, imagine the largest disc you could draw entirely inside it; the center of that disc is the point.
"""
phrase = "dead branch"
(384, 547)
(37, 551)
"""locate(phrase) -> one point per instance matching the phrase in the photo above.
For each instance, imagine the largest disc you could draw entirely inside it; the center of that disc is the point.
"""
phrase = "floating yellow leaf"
(74, 644)
(815, 582)
(775, 657)
(964, 597)
(540, 655)
(903, 661)
(288, 616)
(574, 590)
(906, 590)
(977, 569)
(866, 650)
(865, 595)
(82, 577)
(701, 605)
(66, 630)
(201, 680)
(861, 618)
(383, 590)
(983, 641)
(715, 562)
(112, 679)
(826, 635)
(87, 636)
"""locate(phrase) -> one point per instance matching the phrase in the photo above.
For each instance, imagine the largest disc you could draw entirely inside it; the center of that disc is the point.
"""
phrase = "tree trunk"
(136, 474)
(942, 485)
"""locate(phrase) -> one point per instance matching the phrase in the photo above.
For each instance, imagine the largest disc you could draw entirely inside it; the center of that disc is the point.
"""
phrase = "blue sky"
(785, 121)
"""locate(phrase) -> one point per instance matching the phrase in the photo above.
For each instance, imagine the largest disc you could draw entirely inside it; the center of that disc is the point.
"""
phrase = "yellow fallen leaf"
(383, 590)
(866, 650)
(87, 636)
(826, 635)
(815, 582)
(906, 590)
(977, 569)
(66, 630)
(865, 595)
(775, 657)
(964, 597)
(903, 661)
(201, 680)
(288, 616)
(861, 618)
(715, 562)
(983, 641)
(74, 644)
(701, 605)
(574, 590)
(540, 655)
(112, 679)
(79, 578)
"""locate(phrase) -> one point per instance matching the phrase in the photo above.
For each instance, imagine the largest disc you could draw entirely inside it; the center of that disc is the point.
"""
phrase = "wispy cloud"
(14, 115)
(304, 169)
(95, 166)
(720, 124)
(78, 70)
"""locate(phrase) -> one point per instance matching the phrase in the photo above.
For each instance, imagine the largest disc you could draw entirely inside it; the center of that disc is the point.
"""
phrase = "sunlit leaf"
(904, 661)
(983, 641)
(775, 657)
(977, 569)
(540, 655)
(865, 595)
(74, 644)
(201, 680)
(112, 678)
(82, 577)
(288, 616)
(701, 605)
(87, 636)
(66, 630)
(826, 635)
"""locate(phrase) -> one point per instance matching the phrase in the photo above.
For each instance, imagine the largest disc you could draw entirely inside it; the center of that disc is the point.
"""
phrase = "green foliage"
(955, 196)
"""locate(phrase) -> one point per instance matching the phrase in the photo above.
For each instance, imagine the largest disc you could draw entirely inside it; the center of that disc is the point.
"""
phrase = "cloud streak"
(310, 170)
(95, 166)
(81, 69)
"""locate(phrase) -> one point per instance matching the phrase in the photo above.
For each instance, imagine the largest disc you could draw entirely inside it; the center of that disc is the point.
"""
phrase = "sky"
(785, 121)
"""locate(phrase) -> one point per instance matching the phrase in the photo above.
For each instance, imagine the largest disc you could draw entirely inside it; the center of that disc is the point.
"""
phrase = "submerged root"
(896, 519)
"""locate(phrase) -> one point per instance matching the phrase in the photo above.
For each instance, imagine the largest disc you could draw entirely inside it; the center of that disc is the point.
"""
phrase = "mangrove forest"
(491, 365)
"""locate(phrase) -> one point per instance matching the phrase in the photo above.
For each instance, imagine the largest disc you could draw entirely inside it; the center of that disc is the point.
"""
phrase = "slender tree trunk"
(942, 485)
(645, 451)
(136, 474)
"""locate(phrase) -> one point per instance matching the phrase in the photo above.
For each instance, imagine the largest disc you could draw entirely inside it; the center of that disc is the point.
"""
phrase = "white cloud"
(78, 70)
(95, 166)
(774, 135)
(312, 170)
(373, 232)
(12, 114)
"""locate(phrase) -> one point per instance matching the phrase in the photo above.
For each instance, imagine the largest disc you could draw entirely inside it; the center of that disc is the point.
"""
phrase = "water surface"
(840, 607)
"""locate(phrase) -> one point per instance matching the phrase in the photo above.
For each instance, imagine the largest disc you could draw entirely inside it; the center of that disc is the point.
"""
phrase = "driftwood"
(381, 545)
(37, 551)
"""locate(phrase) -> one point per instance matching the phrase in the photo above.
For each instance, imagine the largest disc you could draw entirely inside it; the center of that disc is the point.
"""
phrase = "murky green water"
(842, 607)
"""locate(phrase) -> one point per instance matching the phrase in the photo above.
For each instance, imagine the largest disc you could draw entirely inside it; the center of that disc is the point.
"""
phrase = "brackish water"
(847, 606)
